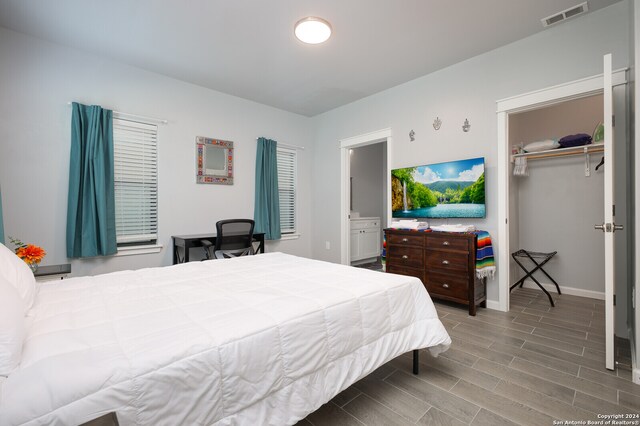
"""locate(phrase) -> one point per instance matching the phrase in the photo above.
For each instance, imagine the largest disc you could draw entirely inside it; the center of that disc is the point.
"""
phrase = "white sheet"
(262, 339)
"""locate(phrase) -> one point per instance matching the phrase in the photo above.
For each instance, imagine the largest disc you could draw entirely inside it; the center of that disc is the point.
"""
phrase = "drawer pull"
(445, 262)
(445, 285)
(404, 256)
(405, 240)
(445, 243)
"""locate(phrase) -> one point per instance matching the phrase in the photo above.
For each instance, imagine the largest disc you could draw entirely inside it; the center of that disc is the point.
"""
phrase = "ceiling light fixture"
(312, 30)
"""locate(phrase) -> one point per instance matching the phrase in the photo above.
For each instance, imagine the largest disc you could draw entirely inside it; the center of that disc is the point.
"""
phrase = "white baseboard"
(493, 304)
(551, 288)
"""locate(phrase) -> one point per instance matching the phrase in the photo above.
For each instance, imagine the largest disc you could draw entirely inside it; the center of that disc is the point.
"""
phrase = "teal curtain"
(91, 219)
(1, 221)
(267, 201)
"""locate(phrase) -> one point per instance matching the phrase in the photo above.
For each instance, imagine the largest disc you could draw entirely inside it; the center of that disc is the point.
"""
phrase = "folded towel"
(454, 228)
(409, 224)
(485, 262)
(520, 168)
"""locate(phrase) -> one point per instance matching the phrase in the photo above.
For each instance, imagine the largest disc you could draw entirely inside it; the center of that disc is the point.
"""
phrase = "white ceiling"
(247, 48)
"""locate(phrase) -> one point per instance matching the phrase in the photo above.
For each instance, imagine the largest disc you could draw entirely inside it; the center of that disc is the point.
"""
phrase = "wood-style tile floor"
(530, 366)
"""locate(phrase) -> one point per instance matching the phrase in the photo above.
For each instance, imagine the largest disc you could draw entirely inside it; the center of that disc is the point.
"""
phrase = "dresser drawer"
(401, 240)
(447, 242)
(449, 286)
(403, 270)
(407, 256)
(444, 261)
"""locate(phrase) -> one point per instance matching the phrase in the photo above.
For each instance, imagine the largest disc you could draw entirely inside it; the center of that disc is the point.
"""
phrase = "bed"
(263, 339)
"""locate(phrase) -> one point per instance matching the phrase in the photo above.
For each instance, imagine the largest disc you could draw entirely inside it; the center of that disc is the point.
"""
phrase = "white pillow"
(17, 273)
(12, 327)
(541, 145)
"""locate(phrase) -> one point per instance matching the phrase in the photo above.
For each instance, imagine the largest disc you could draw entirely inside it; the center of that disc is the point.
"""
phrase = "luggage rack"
(533, 255)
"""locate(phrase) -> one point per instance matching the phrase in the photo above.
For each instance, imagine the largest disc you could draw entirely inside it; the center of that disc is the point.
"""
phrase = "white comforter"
(262, 339)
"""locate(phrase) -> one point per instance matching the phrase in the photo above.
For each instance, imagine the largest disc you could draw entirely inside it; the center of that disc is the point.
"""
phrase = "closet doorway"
(554, 206)
(559, 195)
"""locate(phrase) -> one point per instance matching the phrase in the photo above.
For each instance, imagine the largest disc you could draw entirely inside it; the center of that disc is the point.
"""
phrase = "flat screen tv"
(454, 189)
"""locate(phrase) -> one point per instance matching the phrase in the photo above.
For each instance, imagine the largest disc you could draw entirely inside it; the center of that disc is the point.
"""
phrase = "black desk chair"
(234, 237)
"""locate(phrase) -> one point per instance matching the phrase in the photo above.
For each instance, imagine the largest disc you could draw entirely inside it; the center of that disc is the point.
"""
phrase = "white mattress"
(261, 339)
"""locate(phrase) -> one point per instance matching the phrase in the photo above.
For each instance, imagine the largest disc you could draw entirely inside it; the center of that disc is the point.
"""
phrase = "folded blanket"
(454, 228)
(383, 255)
(541, 145)
(485, 262)
(575, 140)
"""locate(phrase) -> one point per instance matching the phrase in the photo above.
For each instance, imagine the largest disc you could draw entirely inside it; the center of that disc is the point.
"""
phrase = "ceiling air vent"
(565, 14)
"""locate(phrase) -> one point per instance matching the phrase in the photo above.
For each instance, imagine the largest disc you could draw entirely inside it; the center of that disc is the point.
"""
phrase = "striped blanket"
(485, 262)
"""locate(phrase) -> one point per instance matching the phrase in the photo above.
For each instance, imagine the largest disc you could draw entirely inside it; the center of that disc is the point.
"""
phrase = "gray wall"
(368, 173)
(466, 90)
(37, 81)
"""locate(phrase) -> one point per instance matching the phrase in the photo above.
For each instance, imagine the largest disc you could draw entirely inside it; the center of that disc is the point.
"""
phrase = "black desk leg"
(416, 361)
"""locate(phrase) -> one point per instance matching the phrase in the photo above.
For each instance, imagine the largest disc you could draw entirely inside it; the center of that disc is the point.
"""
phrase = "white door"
(609, 227)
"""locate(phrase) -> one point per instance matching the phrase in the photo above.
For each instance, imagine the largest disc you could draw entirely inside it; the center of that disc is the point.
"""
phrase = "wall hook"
(437, 123)
(412, 135)
(466, 126)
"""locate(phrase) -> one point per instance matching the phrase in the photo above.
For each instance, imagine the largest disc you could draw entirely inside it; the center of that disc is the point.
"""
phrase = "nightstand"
(52, 272)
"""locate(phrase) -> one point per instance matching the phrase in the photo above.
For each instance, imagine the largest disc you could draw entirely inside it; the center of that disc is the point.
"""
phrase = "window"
(136, 182)
(287, 165)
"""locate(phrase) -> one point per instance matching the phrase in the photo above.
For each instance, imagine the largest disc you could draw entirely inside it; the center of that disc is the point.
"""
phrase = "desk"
(187, 242)
(52, 272)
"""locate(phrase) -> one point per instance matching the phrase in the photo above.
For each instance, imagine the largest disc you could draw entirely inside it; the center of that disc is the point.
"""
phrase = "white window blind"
(287, 165)
(136, 181)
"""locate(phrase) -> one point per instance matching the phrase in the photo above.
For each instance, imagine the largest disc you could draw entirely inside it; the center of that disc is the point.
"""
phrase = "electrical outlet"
(327, 245)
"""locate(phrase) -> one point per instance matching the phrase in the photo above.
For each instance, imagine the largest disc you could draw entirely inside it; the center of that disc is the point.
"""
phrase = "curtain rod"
(141, 117)
(289, 146)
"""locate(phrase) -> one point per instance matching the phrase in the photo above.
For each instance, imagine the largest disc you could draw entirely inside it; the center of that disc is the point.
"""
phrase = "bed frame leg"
(416, 361)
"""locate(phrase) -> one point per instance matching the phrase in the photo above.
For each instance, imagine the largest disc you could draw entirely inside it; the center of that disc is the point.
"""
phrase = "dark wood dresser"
(444, 261)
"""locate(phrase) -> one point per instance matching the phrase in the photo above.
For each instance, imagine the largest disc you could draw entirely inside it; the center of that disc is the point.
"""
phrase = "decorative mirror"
(214, 161)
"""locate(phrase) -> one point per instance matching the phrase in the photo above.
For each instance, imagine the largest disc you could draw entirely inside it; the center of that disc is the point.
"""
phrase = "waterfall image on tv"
(443, 190)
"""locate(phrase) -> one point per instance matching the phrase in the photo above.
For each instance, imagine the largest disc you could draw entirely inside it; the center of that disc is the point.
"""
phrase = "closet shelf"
(585, 150)
(562, 152)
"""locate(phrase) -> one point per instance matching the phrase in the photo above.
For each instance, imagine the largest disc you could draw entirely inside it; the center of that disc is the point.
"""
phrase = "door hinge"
(613, 211)
(614, 300)
(613, 121)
